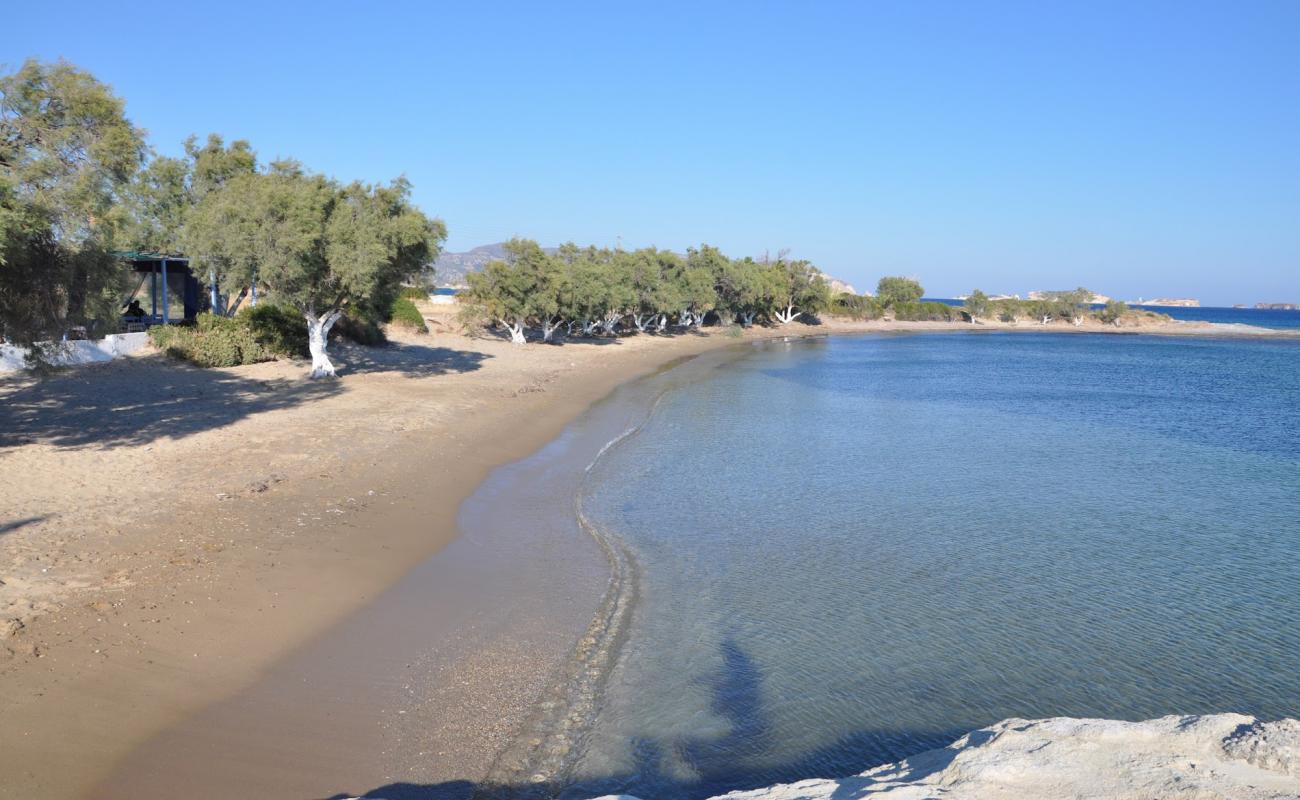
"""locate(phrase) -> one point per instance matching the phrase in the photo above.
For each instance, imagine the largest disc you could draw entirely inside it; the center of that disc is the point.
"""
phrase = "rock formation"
(1202, 757)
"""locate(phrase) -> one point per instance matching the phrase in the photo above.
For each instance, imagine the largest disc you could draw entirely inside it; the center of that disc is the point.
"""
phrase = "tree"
(67, 156)
(744, 286)
(977, 304)
(318, 246)
(894, 290)
(795, 288)
(694, 290)
(651, 290)
(1113, 312)
(168, 189)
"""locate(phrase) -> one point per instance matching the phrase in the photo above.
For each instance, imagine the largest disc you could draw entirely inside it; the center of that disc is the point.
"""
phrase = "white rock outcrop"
(1203, 757)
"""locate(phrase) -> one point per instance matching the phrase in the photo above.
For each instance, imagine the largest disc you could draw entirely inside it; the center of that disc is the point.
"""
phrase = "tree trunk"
(685, 318)
(747, 318)
(788, 315)
(611, 322)
(549, 328)
(641, 321)
(516, 329)
(318, 334)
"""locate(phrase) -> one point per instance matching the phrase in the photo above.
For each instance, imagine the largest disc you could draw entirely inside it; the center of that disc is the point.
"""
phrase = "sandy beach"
(168, 535)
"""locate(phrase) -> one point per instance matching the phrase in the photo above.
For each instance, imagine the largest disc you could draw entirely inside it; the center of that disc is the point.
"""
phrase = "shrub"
(277, 328)
(856, 306)
(404, 313)
(212, 341)
(358, 327)
(1114, 310)
(414, 293)
(925, 312)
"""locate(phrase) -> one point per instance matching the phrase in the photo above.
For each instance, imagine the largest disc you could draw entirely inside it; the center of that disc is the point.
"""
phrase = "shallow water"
(854, 549)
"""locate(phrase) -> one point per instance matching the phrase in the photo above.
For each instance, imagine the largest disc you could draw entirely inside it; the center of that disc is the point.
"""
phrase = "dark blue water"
(858, 548)
(1259, 317)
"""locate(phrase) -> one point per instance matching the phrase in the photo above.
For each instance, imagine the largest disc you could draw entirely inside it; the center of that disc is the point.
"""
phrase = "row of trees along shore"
(576, 290)
(79, 183)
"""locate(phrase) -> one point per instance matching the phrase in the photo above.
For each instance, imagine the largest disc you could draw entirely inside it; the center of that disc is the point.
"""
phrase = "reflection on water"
(856, 549)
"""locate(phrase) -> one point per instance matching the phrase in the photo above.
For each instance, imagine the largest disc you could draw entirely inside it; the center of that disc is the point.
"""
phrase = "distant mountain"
(451, 268)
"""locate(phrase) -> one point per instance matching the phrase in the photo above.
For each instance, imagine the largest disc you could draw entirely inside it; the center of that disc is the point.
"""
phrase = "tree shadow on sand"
(410, 360)
(145, 399)
(716, 765)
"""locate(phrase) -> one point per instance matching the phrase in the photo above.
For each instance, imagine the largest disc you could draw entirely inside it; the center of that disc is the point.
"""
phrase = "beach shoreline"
(156, 620)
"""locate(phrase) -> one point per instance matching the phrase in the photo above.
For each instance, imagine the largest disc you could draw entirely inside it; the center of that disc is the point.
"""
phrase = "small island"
(1278, 306)
(1182, 302)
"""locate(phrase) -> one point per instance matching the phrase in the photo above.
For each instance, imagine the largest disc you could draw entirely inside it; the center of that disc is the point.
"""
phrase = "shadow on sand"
(715, 765)
(153, 397)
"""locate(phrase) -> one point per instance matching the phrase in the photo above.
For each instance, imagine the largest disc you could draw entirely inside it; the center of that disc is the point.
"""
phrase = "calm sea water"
(858, 548)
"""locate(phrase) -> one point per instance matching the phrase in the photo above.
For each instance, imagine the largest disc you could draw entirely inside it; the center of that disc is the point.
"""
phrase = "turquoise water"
(854, 549)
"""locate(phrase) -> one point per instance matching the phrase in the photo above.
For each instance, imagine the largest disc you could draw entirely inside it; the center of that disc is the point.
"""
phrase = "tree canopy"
(68, 156)
(595, 289)
(319, 246)
(893, 290)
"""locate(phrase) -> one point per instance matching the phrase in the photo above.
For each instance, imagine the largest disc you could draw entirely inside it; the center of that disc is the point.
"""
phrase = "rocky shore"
(1213, 756)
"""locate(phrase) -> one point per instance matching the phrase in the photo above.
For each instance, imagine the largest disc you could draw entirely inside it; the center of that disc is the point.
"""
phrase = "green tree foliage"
(1113, 312)
(795, 288)
(977, 304)
(67, 157)
(593, 290)
(317, 245)
(893, 290)
(168, 189)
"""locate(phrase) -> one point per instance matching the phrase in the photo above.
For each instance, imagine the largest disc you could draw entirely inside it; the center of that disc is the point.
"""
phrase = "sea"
(848, 550)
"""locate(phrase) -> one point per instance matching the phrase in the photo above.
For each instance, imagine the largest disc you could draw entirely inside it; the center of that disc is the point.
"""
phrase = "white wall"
(77, 352)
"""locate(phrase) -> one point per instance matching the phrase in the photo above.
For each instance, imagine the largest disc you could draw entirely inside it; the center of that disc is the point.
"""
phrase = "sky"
(1141, 149)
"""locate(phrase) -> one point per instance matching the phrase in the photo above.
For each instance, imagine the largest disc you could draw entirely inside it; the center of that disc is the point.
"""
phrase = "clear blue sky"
(1137, 148)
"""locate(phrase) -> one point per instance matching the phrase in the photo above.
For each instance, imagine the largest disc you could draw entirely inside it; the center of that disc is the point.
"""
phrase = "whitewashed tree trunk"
(589, 327)
(318, 335)
(685, 318)
(747, 318)
(610, 322)
(642, 321)
(783, 317)
(516, 329)
(549, 327)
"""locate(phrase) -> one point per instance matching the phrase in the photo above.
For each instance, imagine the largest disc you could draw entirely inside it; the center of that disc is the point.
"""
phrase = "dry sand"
(168, 533)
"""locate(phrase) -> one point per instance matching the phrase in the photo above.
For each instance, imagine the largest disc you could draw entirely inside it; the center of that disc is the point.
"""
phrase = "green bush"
(279, 329)
(212, 341)
(856, 306)
(1114, 310)
(927, 311)
(356, 326)
(404, 313)
(414, 293)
